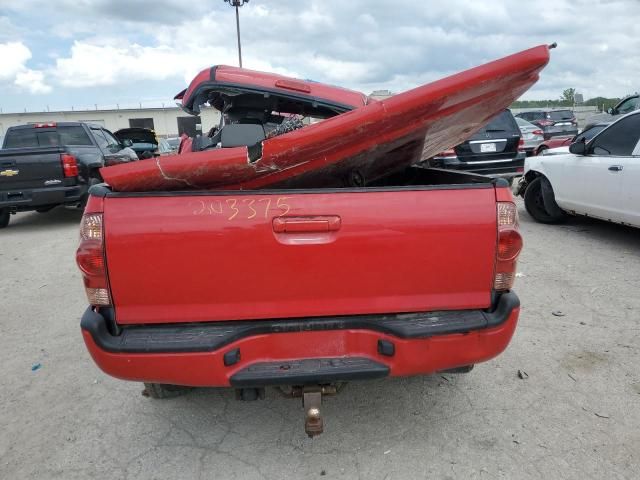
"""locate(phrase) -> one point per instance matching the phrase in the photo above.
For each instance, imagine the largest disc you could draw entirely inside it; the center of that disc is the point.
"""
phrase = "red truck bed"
(372, 140)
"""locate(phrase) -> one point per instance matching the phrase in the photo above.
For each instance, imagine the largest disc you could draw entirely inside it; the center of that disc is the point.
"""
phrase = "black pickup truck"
(49, 164)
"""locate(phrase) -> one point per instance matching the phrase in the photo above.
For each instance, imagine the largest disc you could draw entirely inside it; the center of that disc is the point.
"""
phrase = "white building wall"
(165, 120)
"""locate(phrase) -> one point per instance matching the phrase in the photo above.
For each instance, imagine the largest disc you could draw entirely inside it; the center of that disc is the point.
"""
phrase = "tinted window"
(100, 138)
(560, 115)
(113, 141)
(33, 137)
(502, 122)
(629, 105)
(21, 138)
(590, 133)
(73, 136)
(619, 139)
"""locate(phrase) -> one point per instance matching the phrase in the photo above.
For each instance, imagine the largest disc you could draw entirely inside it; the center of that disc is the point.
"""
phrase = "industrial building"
(167, 122)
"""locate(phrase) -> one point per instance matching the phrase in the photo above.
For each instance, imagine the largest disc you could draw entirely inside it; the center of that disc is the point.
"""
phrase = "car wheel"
(534, 202)
(541, 149)
(5, 216)
(162, 390)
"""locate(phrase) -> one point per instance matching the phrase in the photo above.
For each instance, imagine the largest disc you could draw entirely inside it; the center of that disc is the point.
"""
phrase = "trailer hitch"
(311, 403)
(313, 421)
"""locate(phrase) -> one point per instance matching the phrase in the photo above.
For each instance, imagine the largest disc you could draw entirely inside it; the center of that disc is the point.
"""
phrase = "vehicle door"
(594, 182)
(631, 187)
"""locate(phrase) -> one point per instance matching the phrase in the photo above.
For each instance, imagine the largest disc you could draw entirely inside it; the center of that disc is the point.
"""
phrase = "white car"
(599, 178)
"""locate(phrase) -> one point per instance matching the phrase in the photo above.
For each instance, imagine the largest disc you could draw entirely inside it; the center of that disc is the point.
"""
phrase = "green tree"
(568, 96)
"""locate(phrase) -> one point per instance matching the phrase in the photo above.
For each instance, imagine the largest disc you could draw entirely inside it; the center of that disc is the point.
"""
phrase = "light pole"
(238, 4)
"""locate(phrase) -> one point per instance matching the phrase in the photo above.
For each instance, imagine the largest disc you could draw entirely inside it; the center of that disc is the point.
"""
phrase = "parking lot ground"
(575, 414)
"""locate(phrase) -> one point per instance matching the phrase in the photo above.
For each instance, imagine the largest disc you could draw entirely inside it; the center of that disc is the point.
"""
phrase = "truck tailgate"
(191, 257)
(22, 168)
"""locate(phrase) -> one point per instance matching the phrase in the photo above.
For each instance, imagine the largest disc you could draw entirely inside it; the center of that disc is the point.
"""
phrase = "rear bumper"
(29, 199)
(492, 168)
(318, 350)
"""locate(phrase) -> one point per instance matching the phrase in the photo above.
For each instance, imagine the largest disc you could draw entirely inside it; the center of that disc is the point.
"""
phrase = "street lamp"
(238, 4)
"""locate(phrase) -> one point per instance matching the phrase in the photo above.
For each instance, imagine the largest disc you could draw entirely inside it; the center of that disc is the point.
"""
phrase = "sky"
(106, 53)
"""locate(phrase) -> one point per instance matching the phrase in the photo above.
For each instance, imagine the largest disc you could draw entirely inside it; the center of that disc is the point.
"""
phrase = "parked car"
(174, 143)
(532, 135)
(144, 142)
(553, 123)
(561, 144)
(48, 164)
(597, 178)
(626, 105)
(496, 150)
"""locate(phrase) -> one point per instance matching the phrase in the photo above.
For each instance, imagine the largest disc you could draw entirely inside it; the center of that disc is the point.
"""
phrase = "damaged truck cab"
(326, 258)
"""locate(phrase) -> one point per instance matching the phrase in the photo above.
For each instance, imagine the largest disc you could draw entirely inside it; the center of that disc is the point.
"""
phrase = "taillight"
(69, 165)
(91, 261)
(509, 246)
(538, 132)
(521, 145)
(447, 153)
(45, 125)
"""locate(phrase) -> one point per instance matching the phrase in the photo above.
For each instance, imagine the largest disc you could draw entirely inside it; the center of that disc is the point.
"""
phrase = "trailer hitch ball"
(313, 425)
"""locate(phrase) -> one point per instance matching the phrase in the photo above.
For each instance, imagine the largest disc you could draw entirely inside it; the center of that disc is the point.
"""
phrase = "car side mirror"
(611, 111)
(127, 143)
(579, 147)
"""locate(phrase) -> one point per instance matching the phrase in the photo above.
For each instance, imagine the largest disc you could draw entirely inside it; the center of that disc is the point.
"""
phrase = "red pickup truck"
(253, 288)
(303, 286)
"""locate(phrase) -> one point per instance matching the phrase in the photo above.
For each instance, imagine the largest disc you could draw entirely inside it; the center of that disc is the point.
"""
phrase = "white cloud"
(13, 57)
(13, 69)
(125, 46)
(90, 65)
(32, 81)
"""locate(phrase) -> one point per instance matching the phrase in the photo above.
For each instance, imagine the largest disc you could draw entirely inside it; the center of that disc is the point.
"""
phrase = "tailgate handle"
(329, 223)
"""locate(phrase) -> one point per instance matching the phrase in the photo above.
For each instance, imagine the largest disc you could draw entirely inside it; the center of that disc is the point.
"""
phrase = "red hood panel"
(372, 141)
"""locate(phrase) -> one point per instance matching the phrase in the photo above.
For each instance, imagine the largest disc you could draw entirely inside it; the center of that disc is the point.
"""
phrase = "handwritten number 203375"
(241, 208)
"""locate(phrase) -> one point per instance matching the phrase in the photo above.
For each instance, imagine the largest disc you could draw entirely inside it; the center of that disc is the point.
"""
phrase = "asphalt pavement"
(573, 411)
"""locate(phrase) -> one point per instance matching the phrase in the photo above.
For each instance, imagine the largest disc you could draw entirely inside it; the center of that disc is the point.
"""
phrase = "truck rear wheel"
(162, 390)
(542, 209)
(5, 216)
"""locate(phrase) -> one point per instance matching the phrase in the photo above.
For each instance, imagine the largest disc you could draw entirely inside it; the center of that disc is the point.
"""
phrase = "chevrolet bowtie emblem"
(9, 173)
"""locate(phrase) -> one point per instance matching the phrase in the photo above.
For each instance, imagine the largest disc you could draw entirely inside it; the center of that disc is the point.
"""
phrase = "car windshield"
(561, 115)
(502, 122)
(523, 123)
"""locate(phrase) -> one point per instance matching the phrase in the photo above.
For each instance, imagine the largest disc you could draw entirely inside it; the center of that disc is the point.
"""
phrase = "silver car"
(531, 134)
